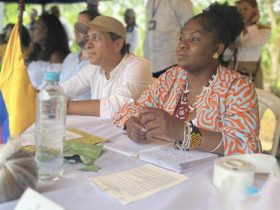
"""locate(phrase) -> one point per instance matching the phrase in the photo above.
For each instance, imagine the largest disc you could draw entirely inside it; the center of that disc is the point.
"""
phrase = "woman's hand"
(135, 130)
(161, 125)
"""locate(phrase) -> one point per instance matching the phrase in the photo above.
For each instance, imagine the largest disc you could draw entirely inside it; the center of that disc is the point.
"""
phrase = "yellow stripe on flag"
(18, 93)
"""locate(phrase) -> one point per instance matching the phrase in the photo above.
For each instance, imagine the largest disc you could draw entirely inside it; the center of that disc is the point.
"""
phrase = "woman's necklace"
(204, 89)
(184, 108)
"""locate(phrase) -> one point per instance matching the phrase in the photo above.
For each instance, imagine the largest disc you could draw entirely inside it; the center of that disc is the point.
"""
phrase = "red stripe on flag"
(1, 140)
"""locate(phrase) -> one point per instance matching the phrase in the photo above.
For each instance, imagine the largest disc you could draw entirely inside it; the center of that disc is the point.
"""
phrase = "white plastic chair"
(268, 100)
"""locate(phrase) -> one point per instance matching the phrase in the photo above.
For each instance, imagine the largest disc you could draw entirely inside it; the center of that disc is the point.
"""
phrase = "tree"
(273, 52)
(116, 8)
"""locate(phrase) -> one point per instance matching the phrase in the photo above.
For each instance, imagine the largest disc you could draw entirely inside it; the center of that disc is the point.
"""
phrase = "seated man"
(116, 77)
(74, 62)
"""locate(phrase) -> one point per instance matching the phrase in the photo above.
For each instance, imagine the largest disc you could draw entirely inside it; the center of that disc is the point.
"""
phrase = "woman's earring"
(215, 55)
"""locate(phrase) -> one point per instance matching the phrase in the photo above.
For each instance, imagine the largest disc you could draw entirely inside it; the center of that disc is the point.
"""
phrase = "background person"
(165, 18)
(132, 32)
(50, 47)
(74, 62)
(199, 104)
(24, 39)
(92, 5)
(66, 25)
(51, 38)
(251, 42)
(115, 78)
(33, 15)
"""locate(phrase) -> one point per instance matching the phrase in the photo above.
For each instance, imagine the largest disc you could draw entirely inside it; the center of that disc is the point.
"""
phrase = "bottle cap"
(252, 190)
(51, 76)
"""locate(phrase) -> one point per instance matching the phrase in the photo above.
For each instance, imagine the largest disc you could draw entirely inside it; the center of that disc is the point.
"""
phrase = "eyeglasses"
(81, 28)
(94, 37)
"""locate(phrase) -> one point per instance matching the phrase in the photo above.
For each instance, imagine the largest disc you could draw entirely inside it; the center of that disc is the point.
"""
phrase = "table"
(74, 191)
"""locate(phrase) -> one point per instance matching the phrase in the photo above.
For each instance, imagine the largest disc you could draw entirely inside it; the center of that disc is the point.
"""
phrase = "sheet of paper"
(86, 137)
(137, 183)
(28, 139)
(31, 200)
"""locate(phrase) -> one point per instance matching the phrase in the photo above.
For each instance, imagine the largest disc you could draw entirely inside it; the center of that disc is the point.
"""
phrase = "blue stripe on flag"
(4, 121)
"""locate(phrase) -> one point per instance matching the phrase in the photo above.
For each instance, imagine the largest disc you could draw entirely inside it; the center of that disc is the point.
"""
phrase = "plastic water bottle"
(50, 128)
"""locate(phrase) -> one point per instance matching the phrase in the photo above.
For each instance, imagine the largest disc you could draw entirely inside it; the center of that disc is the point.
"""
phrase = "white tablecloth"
(74, 191)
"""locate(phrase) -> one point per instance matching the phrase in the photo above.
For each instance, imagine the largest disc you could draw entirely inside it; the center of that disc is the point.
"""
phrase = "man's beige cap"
(108, 24)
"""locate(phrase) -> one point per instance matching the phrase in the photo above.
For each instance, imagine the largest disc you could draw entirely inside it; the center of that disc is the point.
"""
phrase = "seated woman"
(50, 47)
(199, 104)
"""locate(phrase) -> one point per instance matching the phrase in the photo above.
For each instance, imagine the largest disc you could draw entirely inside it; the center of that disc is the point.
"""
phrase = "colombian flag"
(17, 96)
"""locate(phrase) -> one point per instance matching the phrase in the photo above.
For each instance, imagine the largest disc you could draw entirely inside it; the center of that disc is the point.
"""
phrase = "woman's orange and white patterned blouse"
(229, 105)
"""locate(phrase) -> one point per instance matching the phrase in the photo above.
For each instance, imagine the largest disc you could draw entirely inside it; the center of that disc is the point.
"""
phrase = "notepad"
(130, 148)
(161, 153)
(168, 157)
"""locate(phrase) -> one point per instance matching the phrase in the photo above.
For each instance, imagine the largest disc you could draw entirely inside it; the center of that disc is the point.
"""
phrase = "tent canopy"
(43, 1)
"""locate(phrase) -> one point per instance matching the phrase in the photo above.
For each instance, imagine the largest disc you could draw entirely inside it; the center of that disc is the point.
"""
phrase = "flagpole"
(21, 8)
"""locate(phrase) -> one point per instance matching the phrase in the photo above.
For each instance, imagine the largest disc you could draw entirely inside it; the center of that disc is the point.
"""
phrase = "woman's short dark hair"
(114, 37)
(223, 21)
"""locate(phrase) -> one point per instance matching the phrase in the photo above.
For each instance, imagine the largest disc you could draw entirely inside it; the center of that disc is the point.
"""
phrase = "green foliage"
(116, 8)
(276, 89)
(10, 9)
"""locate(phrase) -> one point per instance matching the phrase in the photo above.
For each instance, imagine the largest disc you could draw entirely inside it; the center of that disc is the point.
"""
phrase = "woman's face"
(39, 33)
(247, 11)
(196, 47)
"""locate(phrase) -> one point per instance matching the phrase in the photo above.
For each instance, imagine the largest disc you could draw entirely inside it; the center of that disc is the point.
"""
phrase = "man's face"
(81, 37)
(100, 47)
(129, 20)
(33, 15)
(93, 7)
